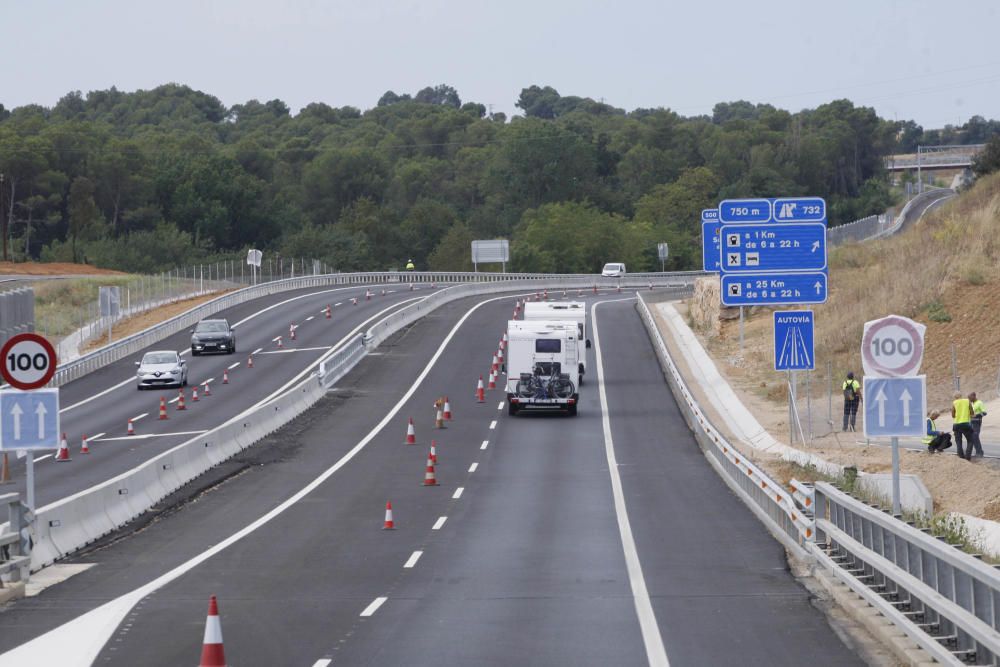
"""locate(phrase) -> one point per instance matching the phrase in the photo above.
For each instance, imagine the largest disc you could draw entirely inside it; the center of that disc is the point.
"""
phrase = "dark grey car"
(213, 336)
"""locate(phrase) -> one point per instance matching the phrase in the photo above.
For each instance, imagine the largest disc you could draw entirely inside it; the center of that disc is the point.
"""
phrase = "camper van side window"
(548, 345)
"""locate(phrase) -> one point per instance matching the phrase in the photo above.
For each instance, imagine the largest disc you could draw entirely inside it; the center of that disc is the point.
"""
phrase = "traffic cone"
(595, 289)
(84, 448)
(194, 394)
(280, 344)
(212, 652)
(5, 470)
(434, 453)
(500, 355)
(495, 364)
(329, 313)
(291, 332)
(504, 340)
(619, 288)
(439, 419)
(368, 295)
(225, 376)
(250, 361)
(579, 292)
(429, 478)
(180, 401)
(411, 287)
(207, 391)
(434, 285)
(447, 410)
(650, 287)
(63, 453)
(480, 397)
(546, 294)
(388, 524)
(564, 294)
(131, 428)
(354, 301)
(163, 408)
(383, 291)
(411, 433)
(493, 381)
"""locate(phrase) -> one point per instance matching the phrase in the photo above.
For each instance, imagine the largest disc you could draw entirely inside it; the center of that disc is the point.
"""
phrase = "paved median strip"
(373, 607)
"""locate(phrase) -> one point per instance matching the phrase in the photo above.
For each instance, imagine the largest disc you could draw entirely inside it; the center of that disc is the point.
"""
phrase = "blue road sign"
(793, 340)
(800, 209)
(710, 215)
(895, 406)
(710, 245)
(744, 210)
(769, 248)
(773, 289)
(29, 419)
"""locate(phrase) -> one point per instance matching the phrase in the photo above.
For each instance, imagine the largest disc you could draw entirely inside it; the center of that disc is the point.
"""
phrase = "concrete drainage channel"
(934, 602)
(71, 523)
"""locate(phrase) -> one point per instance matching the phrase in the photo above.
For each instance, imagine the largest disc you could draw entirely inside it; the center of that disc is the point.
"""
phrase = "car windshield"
(211, 327)
(160, 358)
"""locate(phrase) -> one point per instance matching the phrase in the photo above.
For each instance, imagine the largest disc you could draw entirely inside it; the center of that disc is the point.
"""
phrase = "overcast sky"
(934, 62)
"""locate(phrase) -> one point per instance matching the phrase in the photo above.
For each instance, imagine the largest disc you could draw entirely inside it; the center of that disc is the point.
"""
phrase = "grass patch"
(937, 313)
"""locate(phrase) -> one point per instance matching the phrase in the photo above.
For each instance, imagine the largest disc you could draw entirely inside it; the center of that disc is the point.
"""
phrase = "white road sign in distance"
(28, 361)
(892, 347)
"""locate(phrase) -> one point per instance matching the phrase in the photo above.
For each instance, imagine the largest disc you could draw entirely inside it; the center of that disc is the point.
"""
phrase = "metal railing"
(17, 312)
(14, 547)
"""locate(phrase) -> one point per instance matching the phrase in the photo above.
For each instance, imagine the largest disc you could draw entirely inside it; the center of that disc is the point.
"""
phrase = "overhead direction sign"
(794, 340)
(895, 406)
(744, 210)
(770, 248)
(29, 419)
(711, 245)
(892, 346)
(27, 361)
(773, 289)
(800, 209)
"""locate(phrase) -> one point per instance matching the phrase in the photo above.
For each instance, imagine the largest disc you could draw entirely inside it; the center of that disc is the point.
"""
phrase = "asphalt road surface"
(595, 540)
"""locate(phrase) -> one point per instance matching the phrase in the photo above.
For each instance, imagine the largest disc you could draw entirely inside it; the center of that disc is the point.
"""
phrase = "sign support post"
(30, 465)
(896, 508)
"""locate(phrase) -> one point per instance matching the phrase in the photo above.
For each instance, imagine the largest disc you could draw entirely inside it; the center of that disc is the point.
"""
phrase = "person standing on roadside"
(961, 413)
(978, 412)
(852, 399)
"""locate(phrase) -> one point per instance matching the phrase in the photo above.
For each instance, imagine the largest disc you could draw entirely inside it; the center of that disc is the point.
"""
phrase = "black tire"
(571, 410)
(194, 353)
(512, 408)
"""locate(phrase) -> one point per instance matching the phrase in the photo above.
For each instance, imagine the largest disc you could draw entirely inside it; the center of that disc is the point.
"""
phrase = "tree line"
(152, 179)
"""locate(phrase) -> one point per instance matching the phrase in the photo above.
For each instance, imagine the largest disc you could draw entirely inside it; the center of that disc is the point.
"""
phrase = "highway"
(600, 539)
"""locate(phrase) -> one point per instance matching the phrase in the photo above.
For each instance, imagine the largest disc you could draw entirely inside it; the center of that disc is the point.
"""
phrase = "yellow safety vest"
(962, 410)
(932, 427)
(978, 408)
(409, 266)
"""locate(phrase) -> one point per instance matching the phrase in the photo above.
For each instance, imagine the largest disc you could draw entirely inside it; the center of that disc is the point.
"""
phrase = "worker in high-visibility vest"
(936, 441)
(961, 413)
(978, 412)
(409, 265)
(852, 399)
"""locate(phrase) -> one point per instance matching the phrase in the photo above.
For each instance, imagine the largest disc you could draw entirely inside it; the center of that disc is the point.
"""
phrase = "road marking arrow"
(880, 398)
(905, 399)
(16, 413)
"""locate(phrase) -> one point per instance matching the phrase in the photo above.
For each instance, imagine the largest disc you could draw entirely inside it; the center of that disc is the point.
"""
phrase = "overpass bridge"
(934, 157)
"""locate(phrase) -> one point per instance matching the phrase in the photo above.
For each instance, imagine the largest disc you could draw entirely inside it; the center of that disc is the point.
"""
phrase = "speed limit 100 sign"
(29, 361)
(892, 347)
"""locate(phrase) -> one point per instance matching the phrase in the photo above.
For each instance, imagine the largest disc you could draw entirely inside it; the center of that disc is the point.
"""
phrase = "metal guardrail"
(17, 312)
(14, 547)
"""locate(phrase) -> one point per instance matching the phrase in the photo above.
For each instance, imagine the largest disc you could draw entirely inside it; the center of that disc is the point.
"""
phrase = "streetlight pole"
(3, 220)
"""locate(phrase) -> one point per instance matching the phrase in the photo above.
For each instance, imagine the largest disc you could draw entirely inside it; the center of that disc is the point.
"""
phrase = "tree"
(988, 161)
(85, 222)
(442, 95)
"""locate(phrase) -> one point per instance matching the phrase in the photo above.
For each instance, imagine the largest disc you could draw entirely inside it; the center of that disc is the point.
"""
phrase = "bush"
(937, 313)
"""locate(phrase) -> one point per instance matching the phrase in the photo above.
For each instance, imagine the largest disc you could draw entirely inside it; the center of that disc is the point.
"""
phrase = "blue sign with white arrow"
(711, 245)
(794, 340)
(770, 248)
(29, 419)
(773, 289)
(800, 209)
(744, 210)
(895, 406)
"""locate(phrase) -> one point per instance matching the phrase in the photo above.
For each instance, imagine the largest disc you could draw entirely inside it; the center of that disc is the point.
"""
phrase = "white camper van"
(543, 362)
(571, 311)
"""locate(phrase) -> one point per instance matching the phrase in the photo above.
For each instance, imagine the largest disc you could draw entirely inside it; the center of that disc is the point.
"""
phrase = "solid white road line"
(337, 304)
(486, 443)
(458, 493)
(174, 399)
(473, 467)
(80, 640)
(373, 607)
(500, 407)
(493, 424)
(656, 653)
(138, 417)
(310, 318)
(273, 340)
(412, 560)
(42, 458)
(257, 350)
(440, 522)
(295, 349)
(146, 436)
(95, 437)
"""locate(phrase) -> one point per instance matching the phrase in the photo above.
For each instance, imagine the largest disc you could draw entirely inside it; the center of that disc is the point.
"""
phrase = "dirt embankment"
(52, 269)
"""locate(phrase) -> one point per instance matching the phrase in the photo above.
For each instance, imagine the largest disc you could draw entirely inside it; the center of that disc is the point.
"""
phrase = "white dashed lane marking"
(500, 407)
(373, 607)
(440, 522)
(42, 458)
(473, 467)
(458, 493)
(412, 560)
(138, 417)
(310, 318)
(232, 366)
(325, 662)
(493, 424)
(486, 443)
(257, 350)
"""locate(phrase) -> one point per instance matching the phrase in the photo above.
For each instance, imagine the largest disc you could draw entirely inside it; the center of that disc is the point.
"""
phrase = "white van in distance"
(613, 270)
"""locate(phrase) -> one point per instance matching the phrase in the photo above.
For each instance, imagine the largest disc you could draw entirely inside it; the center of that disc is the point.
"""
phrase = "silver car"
(161, 368)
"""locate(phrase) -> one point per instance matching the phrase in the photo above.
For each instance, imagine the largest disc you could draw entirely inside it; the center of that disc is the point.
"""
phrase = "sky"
(932, 62)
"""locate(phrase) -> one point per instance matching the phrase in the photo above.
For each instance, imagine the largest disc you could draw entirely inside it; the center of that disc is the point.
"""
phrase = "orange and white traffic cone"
(225, 376)
(411, 287)
(595, 289)
(434, 453)
(480, 397)
(250, 361)
(579, 292)
(206, 390)
(368, 295)
(280, 344)
(430, 479)
(447, 410)
(130, 430)
(493, 380)
(411, 433)
(500, 355)
(383, 291)
(163, 408)
(354, 301)
(212, 652)
(434, 285)
(63, 453)
(329, 313)
(388, 524)
(180, 401)
(291, 332)
(650, 287)
(194, 394)
(84, 447)
(504, 339)
(619, 288)
(495, 365)
(439, 419)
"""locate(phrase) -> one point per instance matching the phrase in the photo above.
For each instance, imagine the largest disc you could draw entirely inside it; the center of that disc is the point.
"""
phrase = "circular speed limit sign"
(29, 361)
(892, 347)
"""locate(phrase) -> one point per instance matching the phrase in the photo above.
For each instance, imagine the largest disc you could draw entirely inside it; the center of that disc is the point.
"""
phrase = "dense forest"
(160, 178)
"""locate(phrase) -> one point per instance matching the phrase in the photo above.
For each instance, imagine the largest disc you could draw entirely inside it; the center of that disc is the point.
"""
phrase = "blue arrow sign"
(29, 419)
(710, 215)
(773, 289)
(794, 341)
(769, 248)
(895, 406)
(711, 245)
(745, 210)
(800, 209)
